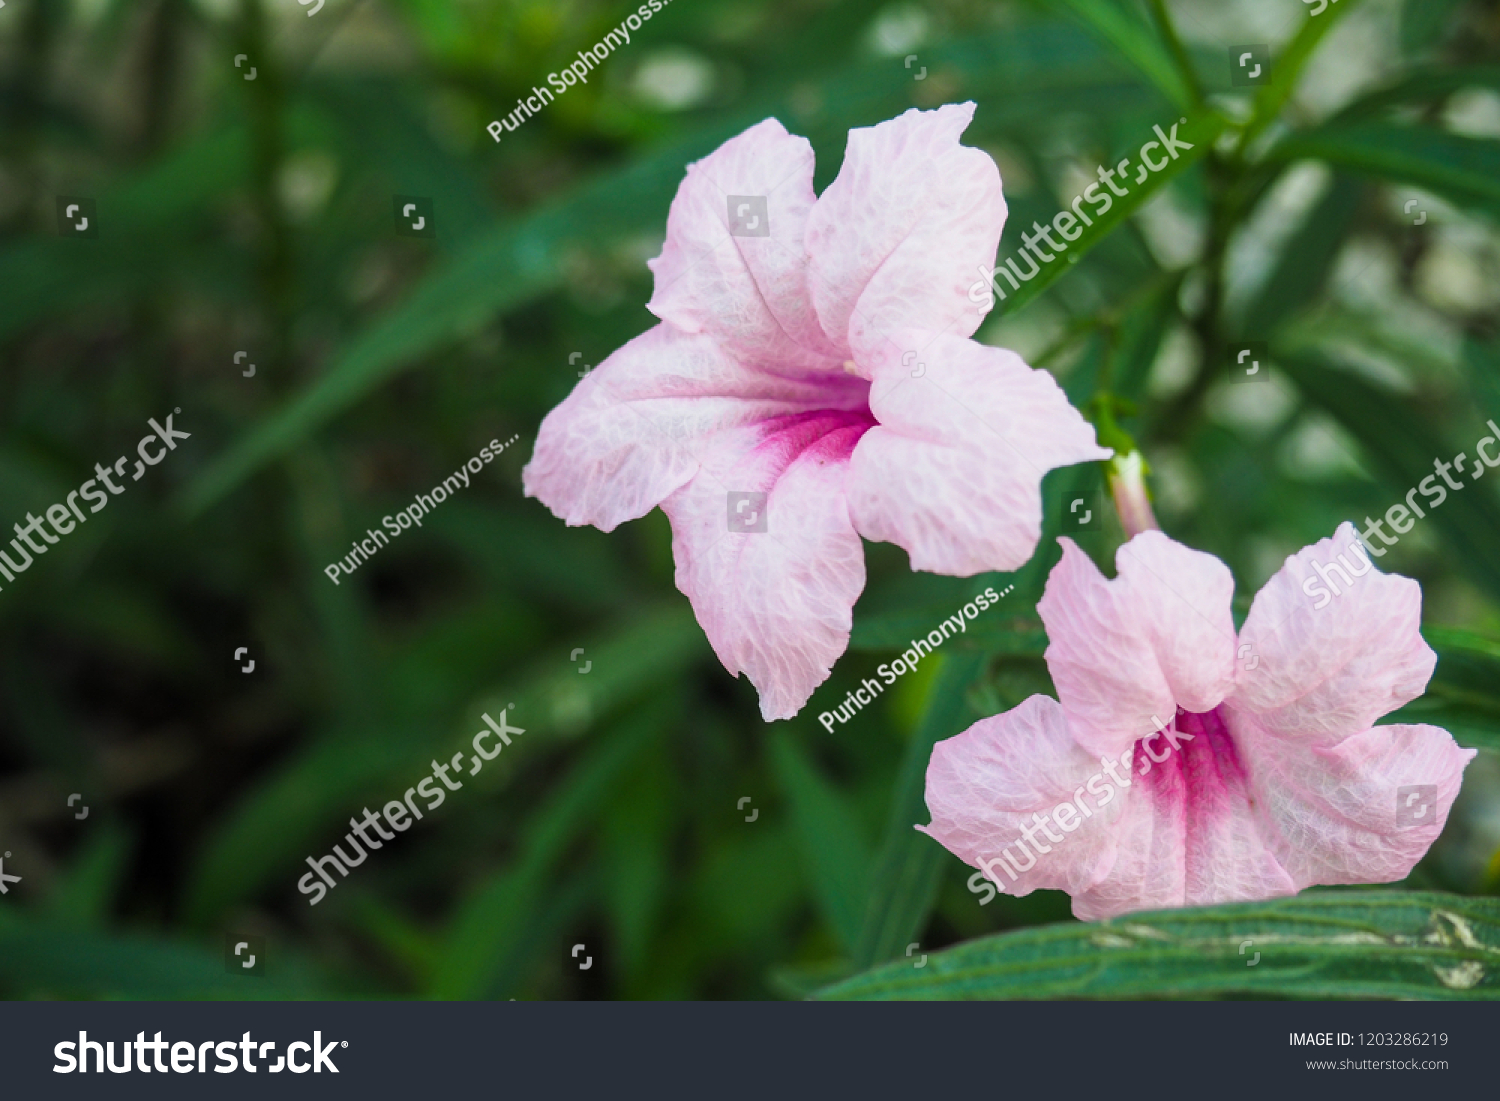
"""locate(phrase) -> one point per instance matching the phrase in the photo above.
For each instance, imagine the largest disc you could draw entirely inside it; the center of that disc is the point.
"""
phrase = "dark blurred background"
(259, 216)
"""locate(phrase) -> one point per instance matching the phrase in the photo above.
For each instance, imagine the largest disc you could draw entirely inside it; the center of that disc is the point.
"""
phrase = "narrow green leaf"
(152, 213)
(1420, 85)
(908, 867)
(1162, 20)
(1336, 944)
(64, 962)
(1287, 69)
(1462, 169)
(492, 922)
(1403, 449)
(635, 851)
(1423, 22)
(1307, 258)
(85, 894)
(1136, 41)
(280, 822)
(1139, 336)
(828, 830)
(1200, 131)
(1482, 363)
(403, 940)
(1463, 696)
(1008, 634)
(796, 981)
(906, 876)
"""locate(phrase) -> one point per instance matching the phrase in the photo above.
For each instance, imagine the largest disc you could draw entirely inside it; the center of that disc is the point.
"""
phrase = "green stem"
(264, 96)
(1179, 53)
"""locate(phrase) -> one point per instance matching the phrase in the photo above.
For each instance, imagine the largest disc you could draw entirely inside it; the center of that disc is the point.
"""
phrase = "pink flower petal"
(776, 605)
(1188, 835)
(897, 239)
(1327, 672)
(1125, 654)
(631, 432)
(749, 291)
(1362, 811)
(985, 785)
(953, 471)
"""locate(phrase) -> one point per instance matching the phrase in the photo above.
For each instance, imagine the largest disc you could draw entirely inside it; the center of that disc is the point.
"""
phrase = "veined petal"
(776, 604)
(953, 471)
(1188, 834)
(632, 431)
(1364, 810)
(988, 787)
(1125, 654)
(897, 238)
(1328, 666)
(734, 262)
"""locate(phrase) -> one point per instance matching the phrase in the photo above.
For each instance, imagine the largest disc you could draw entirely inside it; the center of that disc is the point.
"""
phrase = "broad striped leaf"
(1335, 944)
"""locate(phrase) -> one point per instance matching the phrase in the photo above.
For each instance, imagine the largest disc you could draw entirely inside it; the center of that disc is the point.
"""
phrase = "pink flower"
(1269, 775)
(812, 382)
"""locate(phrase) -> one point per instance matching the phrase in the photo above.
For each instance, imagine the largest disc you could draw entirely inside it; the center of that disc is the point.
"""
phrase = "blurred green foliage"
(256, 215)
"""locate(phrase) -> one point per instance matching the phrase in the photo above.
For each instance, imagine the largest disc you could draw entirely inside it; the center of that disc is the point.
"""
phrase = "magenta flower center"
(823, 435)
(1194, 765)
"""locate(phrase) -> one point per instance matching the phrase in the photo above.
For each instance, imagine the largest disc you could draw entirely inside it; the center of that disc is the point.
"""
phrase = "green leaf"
(1462, 169)
(1336, 944)
(1421, 85)
(1303, 266)
(1200, 131)
(833, 847)
(1423, 22)
(152, 213)
(1463, 696)
(908, 867)
(64, 962)
(1139, 335)
(1482, 363)
(1287, 68)
(1161, 19)
(635, 841)
(403, 940)
(1137, 42)
(280, 822)
(492, 923)
(85, 895)
(796, 981)
(906, 876)
(1403, 449)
